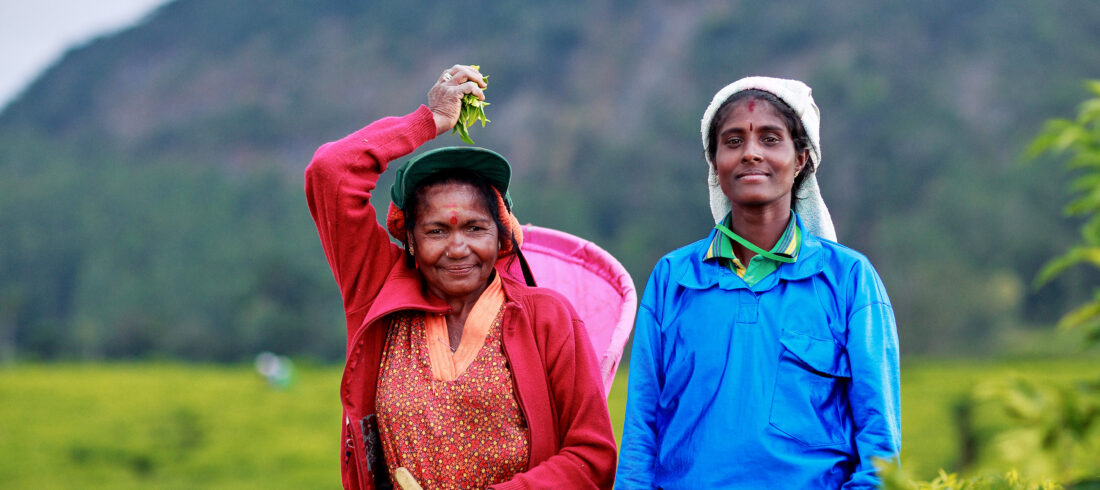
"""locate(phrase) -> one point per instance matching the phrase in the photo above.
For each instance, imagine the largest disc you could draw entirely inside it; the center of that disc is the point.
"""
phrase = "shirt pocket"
(809, 389)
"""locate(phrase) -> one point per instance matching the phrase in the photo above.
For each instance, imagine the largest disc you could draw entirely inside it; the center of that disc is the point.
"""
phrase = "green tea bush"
(894, 478)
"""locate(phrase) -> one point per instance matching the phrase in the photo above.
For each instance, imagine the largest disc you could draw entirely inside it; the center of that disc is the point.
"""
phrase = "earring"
(411, 251)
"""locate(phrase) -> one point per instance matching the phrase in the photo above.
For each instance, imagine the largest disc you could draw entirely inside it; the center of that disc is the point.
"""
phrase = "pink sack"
(596, 283)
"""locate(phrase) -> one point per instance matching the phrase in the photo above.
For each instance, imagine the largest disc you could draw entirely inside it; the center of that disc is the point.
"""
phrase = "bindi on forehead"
(752, 105)
(453, 209)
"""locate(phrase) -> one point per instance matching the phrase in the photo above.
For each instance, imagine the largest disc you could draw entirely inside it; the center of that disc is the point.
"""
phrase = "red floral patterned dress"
(465, 433)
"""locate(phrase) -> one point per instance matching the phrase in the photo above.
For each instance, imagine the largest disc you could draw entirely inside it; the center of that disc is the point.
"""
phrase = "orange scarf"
(447, 365)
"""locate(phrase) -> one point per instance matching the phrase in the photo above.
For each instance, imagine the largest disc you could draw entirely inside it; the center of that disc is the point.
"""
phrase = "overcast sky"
(35, 33)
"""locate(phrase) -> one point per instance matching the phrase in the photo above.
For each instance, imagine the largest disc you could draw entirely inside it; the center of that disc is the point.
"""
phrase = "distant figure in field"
(456, 373)
(765, 355)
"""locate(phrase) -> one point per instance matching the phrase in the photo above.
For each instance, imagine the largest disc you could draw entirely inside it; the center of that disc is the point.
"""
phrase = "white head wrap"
(809, 205)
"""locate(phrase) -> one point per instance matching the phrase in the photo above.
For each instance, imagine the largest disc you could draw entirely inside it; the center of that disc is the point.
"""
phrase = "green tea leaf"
(473, 111)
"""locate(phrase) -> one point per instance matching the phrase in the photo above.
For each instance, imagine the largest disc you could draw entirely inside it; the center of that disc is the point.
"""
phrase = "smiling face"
(455, 241)
(755, 157)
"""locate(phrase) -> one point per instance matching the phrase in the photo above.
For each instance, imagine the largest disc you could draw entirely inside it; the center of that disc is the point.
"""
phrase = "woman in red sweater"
(454, 372)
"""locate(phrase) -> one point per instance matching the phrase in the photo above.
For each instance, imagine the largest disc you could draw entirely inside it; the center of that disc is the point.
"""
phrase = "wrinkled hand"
(445, 97)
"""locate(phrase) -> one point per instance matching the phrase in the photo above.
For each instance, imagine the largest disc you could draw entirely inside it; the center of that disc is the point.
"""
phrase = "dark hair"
(799, 137)
(486, 194)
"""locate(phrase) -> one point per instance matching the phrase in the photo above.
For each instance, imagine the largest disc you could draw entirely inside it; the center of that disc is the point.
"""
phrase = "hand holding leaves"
(473, 110)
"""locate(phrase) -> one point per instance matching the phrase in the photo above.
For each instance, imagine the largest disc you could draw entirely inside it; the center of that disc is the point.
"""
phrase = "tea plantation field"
(173, 425)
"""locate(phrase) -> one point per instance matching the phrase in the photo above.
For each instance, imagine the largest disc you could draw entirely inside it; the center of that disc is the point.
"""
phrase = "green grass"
(168, 425)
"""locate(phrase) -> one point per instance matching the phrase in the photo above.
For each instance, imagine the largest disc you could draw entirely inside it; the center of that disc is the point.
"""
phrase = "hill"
(150, 181)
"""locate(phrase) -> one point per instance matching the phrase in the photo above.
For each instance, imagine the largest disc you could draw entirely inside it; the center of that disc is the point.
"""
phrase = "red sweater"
(554, 367)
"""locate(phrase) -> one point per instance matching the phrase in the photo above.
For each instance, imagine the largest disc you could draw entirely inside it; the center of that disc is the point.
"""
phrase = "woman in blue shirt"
(766, 354)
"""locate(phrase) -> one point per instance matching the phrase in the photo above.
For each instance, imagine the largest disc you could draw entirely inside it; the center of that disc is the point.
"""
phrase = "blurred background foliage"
(1043, 424)
(151, 181)
(1054, 428)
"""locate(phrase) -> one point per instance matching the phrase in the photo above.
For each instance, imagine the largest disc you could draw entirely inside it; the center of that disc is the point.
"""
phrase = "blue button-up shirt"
(789, 383)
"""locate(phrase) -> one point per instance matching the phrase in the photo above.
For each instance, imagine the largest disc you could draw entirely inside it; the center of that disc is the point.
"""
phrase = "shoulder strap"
(527, 276)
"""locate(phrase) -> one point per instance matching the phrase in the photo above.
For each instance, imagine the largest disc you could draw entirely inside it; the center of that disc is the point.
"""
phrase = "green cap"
(486, 163)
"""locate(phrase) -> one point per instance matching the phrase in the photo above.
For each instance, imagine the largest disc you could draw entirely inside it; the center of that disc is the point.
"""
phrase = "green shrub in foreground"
(894, 478)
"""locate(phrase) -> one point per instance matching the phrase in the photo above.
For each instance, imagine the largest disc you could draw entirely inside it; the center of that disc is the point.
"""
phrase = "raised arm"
(341, 179)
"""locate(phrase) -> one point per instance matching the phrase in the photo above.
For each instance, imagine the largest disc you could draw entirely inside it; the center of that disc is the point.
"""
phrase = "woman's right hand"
(445, 97)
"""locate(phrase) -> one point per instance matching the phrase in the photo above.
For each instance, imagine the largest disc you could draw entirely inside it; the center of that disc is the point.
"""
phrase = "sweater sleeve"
(638, 455)
(339, 183)
(586, 455)
(873, 394)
